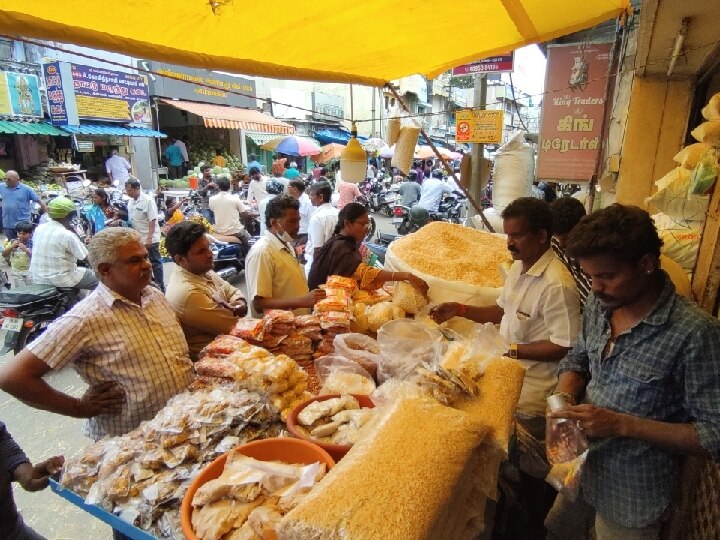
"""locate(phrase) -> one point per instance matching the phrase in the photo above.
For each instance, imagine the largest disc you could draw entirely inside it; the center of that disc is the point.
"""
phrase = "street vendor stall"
(434, 393)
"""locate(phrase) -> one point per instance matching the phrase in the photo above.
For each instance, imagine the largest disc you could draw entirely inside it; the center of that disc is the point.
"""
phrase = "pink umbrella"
(293, 145)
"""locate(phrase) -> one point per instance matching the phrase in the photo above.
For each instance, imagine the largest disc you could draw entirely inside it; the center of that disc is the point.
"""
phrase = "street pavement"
(43, 434)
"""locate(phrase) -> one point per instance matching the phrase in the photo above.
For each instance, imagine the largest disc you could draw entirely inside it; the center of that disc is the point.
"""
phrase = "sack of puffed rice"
(460, 264)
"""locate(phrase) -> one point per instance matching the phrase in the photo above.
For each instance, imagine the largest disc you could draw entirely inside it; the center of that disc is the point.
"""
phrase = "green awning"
(30, 128)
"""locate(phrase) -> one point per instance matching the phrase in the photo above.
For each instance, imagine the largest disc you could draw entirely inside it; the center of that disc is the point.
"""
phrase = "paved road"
(42, 434)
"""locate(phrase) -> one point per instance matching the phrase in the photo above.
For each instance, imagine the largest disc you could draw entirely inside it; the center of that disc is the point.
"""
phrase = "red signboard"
(496, 64)
(572, 111)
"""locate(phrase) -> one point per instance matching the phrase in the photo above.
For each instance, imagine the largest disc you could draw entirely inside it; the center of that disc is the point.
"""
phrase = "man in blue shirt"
(174, 157)
(292, 172)
(645, 374)
(16, 199)
(255, 163)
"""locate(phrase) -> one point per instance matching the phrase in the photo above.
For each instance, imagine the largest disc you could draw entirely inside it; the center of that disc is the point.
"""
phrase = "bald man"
(16, 199)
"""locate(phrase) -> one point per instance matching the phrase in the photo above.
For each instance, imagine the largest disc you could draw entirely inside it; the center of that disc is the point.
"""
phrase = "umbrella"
(329, 152)
(426, 152)
(293, 145)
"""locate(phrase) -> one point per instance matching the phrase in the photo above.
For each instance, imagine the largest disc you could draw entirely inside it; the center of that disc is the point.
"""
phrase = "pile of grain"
(455, 253)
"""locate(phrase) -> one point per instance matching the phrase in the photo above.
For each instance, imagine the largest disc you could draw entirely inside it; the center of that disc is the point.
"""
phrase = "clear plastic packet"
(361, 348)
(565, 477)
(340, 375)
(404, 344)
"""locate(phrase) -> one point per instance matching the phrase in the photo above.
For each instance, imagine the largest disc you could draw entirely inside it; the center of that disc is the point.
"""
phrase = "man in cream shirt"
(206, 306)
(227, 209)
(275, 279)
(538, 309)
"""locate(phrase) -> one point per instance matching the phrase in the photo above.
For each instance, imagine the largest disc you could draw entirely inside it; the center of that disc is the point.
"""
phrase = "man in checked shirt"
(645, 374)
(124, 341)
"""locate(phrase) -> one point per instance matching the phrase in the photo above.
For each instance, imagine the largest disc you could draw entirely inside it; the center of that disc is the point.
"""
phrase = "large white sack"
(513, 172)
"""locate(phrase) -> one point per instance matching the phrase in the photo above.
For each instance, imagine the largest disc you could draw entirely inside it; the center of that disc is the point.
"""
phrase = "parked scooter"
(25, 312)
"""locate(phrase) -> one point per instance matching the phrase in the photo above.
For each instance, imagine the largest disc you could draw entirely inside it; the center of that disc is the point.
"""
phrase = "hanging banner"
(20, 94)
(95, 94)
(494, 64)
(483, 127)
(572, 111)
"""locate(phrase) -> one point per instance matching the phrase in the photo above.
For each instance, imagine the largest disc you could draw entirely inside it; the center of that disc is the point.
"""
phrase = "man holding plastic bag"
(645, 372)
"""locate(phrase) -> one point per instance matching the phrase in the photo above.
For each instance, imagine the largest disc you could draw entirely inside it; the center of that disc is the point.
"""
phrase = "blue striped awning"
(109, 129)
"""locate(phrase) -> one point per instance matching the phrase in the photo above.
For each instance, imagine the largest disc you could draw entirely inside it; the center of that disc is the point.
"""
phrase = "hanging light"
(353, 160)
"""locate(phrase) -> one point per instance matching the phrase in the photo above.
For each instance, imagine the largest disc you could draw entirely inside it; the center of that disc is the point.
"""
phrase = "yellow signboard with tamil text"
(479, 126)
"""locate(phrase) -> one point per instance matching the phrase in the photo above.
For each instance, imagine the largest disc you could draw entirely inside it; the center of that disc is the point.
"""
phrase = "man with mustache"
(538, 309)
(645, 375)
(124, 341)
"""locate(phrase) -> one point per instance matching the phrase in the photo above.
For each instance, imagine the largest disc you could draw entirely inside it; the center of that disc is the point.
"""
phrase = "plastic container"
(285, 449)
(336, 451)
(565, 440)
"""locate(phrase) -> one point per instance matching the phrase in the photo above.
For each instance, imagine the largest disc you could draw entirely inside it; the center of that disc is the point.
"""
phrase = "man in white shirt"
(322, 222)
(182, 145)
(117, 168)
(143, 217)
(539, 307)
(257, 189)
(57, 250)
(296, 189)
(274, 188)
(432, 192)
(275, 279)
(227, 209)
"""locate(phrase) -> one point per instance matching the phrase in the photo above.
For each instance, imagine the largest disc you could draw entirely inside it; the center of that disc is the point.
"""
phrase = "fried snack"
(332, 304)
(222, 346)
(340, 282)
(302, 321)
(408, 298)
(249, 329)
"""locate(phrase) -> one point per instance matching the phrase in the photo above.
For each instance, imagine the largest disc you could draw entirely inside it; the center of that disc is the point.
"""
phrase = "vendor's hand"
(299, 250)
(419, 284)
(238, 309)
(148, 243)
(15, 243)
(211, 185)
(313, 297)
(104, 398)
(443, 312)
(36, 478)
(595, 421)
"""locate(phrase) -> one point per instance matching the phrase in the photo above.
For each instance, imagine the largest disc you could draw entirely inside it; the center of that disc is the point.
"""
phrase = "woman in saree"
(342, 256)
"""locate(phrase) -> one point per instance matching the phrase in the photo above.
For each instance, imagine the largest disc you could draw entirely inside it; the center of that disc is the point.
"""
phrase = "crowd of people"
(587, 307)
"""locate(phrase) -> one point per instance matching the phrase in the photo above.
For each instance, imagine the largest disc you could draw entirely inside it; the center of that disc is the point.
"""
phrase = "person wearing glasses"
(341, 255)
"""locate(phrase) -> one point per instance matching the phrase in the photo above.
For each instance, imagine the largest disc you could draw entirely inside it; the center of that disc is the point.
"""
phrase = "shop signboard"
(172, 81)
(481, 127)
(572, 111)
(494, 64)
(20, 94)
(85, 146)
(95, 94)
(328, 106)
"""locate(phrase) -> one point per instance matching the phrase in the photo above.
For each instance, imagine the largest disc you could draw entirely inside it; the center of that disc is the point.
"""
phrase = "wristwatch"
(513, 351)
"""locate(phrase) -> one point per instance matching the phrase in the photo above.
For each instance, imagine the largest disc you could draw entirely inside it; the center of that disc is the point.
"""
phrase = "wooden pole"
(445, 162)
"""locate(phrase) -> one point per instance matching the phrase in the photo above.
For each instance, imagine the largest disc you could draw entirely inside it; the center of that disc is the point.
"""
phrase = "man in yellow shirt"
(219, 160)
(206, 305)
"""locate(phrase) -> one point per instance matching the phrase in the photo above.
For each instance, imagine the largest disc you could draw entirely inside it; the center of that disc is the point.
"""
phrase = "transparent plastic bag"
(340, 375)
(565, 477)
(361, 348)
(403, 345)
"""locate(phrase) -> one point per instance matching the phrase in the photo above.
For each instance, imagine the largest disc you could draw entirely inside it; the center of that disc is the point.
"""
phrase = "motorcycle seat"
(386, 238)
(28, 294)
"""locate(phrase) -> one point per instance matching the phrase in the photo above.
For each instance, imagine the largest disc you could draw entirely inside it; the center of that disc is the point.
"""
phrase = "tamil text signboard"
(572, 111)
(484, 127)
(77, 92)
(494, 64)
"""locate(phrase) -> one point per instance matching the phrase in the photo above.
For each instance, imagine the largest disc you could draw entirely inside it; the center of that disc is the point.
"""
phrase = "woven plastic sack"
(689, 156)
(405, 148)
(704, 175)
(681, 239)
(674, 198)
(708, 132)
(393, 130)
(711, 111)
(513, 171)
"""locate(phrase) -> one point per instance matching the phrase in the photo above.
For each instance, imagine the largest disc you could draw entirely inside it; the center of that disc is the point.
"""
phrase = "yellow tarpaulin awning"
(222, 116)
(369, 42)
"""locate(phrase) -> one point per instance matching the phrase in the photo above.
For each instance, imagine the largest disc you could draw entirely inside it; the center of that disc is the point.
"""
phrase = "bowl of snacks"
(333, 421)
(249, 489)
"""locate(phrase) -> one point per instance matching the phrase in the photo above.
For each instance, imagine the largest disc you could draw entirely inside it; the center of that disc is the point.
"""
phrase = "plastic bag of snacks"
(340, 375)
(358, 347)
(405, 344)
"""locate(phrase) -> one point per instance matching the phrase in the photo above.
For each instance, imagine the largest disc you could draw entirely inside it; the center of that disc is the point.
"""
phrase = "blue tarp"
(339, 136)
(111, 129)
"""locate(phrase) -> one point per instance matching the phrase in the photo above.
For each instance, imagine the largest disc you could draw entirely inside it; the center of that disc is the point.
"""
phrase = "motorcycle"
(373, 226)
(228, 256)
(26, 312)
(450, 209)
(387, 200)
(372, 189)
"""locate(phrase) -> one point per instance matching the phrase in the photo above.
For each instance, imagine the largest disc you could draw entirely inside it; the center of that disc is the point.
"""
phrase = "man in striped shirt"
(123, 340)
